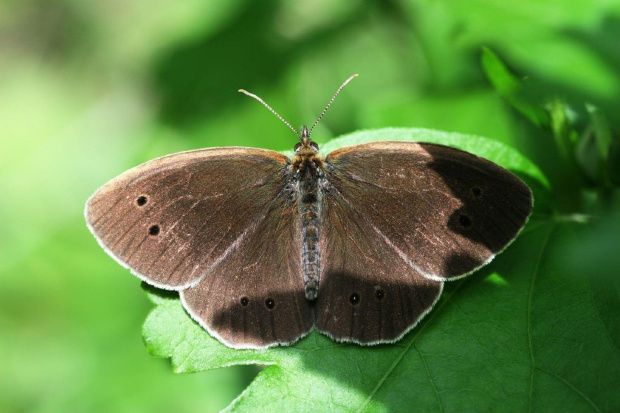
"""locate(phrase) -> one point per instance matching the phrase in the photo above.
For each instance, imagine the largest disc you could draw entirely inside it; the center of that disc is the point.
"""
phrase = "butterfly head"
(306, 143)
(306, 153)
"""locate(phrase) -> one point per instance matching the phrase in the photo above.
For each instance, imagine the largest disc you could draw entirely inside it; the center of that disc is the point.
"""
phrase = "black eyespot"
(141, 201)
(154, 230)
(379, 294)
(354, 299)
(244, 301)
(297, 146)
(314, 145)
(476, 192)
(465, 220)
(270, 303)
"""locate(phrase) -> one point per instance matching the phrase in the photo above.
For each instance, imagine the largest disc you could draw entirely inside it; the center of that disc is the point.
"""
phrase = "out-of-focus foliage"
(89, 89)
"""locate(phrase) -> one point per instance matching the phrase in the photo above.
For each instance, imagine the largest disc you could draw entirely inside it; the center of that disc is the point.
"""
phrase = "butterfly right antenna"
(332, 101)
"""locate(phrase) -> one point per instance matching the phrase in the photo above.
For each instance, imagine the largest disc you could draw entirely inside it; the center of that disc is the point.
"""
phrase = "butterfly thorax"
(307, 170)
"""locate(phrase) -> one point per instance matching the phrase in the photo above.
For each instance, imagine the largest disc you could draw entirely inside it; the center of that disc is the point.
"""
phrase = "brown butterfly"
(263, 248)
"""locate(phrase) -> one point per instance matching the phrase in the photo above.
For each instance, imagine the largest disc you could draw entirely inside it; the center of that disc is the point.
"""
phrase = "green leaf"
(511, 88)
(523, 333)
(602, 131)
(613, 164)
(594, 147)
(563, 133)
(489, 149)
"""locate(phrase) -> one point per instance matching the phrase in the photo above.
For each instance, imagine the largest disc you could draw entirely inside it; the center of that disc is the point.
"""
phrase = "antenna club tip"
(355, 75)
(241, 90)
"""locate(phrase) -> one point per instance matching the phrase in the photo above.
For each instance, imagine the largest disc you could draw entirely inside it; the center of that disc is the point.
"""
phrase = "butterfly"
(264, 248)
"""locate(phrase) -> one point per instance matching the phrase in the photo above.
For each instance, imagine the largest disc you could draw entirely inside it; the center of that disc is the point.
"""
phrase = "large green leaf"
(522, 333)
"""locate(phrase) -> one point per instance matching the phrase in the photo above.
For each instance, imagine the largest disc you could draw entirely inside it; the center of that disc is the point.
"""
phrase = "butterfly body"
(307, 170)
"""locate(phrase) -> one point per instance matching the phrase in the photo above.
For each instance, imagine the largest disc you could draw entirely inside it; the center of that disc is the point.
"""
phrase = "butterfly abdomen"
(309, 204)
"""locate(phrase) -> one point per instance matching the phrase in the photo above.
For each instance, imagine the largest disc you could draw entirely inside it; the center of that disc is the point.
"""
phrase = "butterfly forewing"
(172, 219)
(447, 211)
(368, 293)
(255, 297)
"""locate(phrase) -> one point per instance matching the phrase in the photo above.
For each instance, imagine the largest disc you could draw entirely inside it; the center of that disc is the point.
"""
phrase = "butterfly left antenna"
(272, 111)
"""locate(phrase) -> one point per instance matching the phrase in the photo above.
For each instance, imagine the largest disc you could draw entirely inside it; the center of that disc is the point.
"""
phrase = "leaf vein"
(406, 349)
(570, 386)
(430, 377)
(598, 316)
(529, 313)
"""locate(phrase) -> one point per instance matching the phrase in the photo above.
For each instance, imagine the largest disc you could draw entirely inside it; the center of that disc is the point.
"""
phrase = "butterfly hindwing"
(255, 297)
(368, 293)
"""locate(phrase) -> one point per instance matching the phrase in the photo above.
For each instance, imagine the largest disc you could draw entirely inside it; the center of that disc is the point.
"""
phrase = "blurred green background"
(90, 89)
